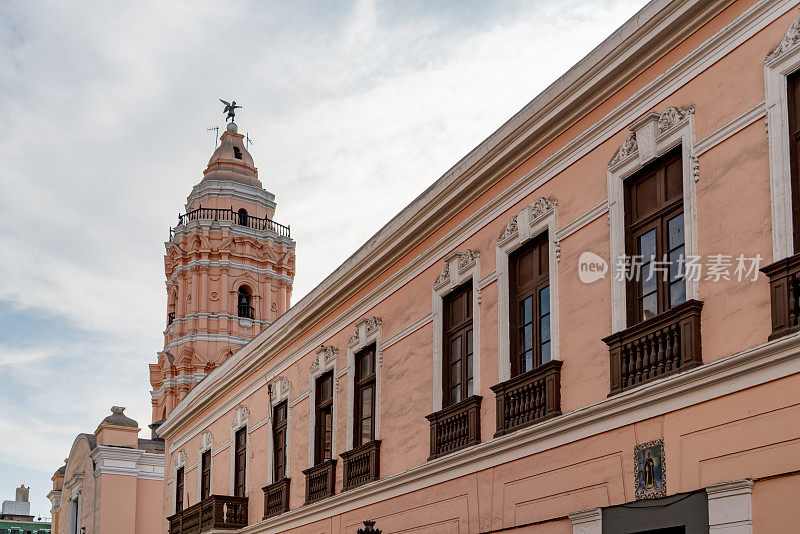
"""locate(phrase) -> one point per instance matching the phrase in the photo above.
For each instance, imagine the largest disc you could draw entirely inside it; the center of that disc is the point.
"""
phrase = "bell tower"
(229, 269)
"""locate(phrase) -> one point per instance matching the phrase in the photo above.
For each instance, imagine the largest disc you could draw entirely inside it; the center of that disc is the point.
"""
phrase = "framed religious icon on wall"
(650, 470)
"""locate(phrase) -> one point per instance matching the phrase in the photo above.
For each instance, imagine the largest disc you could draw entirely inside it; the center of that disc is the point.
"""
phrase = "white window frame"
(241, 419)
(459, 268)
(180, 462)
(652, 136)
(782, 62)
(541, 216)
(280, 390)
(367, 332)
(206, 444)
(325, 359)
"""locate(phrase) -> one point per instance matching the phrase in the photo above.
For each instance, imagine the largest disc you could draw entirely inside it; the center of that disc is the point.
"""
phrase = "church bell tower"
(229, 269)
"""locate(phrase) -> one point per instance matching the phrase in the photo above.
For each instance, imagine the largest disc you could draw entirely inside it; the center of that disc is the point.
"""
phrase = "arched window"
(237, 153)
(245, 309)
(243, 217)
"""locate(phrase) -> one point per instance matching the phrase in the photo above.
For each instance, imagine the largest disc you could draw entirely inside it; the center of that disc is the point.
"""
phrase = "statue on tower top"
(230, 109)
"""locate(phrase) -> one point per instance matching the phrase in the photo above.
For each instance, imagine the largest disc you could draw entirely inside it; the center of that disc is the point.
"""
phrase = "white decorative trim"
(458, 268)
(658, 133)
(137, 463)
(416, 218)
(180, 462)
(784, 61)
(587, 521)
(730, 507)
(582, 221)
(532, 221)
(407, 331)
(280, 390)
(367, 332)
(757, 112)
(206, 444)
(241, 418)
(325, 359)
(180, 459)
(764, 363)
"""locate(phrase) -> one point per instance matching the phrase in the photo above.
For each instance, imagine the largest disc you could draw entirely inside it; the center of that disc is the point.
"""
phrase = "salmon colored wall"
(771, 499)
(703, 441)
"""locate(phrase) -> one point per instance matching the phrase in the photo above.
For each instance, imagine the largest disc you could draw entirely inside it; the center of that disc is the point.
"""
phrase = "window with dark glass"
(240, 462)
(529, 269)
(457, 350)
(245, 309)
(179, 490)
(205, 475)
(364, 416)
(793, 83)
(655, 238)
(324, 418)
(279, 440)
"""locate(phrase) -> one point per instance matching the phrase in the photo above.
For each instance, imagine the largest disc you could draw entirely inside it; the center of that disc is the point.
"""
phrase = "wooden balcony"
(361, 464)
(276, 498)
(528, 398)
(320, 481)
(455, 427)
(665, 344)
(214, 512)
(784, 293)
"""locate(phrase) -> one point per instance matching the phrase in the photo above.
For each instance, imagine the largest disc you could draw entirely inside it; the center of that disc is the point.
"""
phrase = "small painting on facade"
(650, 470)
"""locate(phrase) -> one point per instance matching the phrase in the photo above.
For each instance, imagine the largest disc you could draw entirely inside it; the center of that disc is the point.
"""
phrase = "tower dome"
(231, 161)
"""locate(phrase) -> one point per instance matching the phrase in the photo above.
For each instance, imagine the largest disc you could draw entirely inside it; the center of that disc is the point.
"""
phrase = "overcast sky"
(355, 107)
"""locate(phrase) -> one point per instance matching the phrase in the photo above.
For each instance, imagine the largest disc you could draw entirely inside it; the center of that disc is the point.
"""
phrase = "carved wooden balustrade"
(665, 344)
(528, 398)
(784, 292)
(214, 512)
(320, 481)
(276, 498)
(455, 427)
(361, 464)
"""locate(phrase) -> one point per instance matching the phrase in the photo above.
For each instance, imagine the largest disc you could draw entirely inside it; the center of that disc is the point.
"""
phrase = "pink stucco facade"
(112, 482)
(702, 76)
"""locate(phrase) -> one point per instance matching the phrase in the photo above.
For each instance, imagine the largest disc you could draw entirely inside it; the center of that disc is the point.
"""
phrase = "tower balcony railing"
(246, 312)
(170, 318)
(231, 215)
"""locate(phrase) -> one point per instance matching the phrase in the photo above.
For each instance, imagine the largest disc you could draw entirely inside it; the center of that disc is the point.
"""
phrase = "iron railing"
(246, 311)
(229, 214)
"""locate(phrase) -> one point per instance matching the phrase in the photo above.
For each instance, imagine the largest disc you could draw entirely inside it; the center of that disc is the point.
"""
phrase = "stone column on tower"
(229, 270)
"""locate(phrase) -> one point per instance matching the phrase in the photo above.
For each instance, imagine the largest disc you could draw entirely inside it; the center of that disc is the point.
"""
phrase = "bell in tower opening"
(229, 268)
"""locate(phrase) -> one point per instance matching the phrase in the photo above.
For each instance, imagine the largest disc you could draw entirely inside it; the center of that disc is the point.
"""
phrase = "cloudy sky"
(355, 107)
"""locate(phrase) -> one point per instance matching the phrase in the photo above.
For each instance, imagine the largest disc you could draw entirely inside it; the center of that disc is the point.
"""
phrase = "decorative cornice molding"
(280, 388)
(789, 41)
(206, 440)
(672, 117)
(532, 215)
(328, 353)
(464, 261)
(241, 417)
(629, 147)
(371, 326)
(180, 459)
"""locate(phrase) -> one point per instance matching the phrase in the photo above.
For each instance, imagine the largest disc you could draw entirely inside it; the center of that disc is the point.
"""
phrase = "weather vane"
(230, 109)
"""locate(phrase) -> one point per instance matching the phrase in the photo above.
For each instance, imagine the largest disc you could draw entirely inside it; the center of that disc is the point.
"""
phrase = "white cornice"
(747, 369)
(660, 24)
(230, 264)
